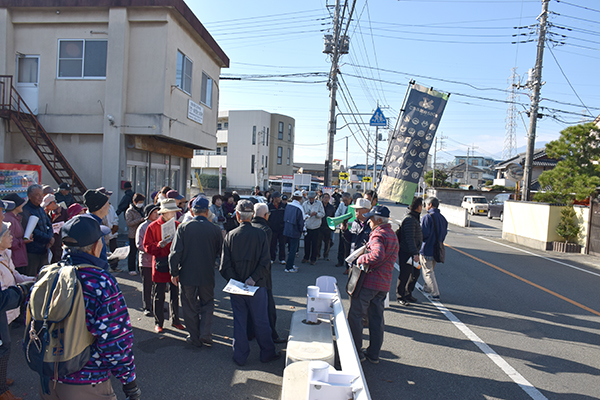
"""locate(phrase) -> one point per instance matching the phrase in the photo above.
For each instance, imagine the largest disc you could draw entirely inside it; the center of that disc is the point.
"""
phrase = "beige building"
(252, 147)
(126, 89)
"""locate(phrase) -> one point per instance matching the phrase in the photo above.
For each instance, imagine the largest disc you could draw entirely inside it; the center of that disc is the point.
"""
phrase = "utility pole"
(433, 166)
(366, 164)
(375, 157)
(467, 168)
(333, 90)
(535, 99)
(347, 170)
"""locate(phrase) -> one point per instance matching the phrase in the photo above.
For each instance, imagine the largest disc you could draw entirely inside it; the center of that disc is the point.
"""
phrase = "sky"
(461, 47)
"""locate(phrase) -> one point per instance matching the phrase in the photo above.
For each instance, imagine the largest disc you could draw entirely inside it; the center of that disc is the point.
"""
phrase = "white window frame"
(58, 59)
(206, 90)
(180, 81)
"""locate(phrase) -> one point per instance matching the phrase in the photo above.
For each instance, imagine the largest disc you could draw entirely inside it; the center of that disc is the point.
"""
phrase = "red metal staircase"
(14, 109)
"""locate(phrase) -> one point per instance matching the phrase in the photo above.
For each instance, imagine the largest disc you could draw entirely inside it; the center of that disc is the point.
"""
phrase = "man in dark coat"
(410, 238)
(245, 258)
(276, 223)
(64, 194)
(260, 220)
(325, 232)
(126, 200)
(43, 235)
(196, 246)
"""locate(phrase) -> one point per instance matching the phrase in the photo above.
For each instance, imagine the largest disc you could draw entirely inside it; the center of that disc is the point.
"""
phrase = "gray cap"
(244, 206)
(312, 194)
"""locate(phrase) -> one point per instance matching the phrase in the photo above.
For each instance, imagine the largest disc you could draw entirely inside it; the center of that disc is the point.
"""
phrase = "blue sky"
(460, 47)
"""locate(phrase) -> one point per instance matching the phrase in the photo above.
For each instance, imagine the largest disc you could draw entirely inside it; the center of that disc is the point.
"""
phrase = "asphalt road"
(524, 327)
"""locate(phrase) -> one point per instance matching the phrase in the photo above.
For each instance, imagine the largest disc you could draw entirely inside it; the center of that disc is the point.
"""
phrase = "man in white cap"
(293, 227)
(358, 234)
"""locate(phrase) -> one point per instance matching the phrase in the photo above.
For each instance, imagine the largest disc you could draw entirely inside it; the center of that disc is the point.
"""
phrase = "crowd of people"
(177, 244)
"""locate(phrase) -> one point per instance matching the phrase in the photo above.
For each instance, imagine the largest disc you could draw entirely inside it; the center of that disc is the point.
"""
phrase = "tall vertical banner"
(407, 153)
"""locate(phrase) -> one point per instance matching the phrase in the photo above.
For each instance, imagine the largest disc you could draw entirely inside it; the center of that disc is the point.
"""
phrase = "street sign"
(366, 179)
(344, 176)
(378, 119)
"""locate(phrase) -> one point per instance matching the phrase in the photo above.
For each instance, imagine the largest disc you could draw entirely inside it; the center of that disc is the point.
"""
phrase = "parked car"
(496, 206)
(475, 204)
(260, 199)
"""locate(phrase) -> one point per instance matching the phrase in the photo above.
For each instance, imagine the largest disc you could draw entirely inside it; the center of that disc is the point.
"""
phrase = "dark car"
(496, 206)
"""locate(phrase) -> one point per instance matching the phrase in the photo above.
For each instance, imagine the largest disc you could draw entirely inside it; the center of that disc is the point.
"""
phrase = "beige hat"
(48, 199)
(168, 205)
(362, 203)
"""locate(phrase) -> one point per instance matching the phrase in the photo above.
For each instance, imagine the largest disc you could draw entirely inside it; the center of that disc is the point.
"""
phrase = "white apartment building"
(252, 147)
(127, 89)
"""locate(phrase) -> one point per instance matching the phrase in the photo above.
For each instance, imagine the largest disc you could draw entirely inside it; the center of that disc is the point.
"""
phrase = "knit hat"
(149, 209)
(127, 185)
(94, 200)
(15, 198)
(275, 195)
(74, 209)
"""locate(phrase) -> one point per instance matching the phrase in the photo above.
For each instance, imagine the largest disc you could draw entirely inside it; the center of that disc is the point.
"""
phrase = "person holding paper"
(196, 246)
(246, 258)
(43, 236)
(159, 247)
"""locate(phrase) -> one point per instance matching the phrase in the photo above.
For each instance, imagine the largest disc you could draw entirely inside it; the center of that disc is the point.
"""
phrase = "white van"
(475, 204)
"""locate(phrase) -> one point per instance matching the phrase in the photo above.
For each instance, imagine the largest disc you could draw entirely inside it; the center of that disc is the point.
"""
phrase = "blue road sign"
(378, 119)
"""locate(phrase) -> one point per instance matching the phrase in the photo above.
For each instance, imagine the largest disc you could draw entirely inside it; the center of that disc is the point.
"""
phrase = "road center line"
(537, 255)
(560, 296)
(512, 373)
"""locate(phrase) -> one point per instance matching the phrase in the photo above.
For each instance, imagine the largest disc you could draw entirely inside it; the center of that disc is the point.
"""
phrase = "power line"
(578, 6)
(568, 81)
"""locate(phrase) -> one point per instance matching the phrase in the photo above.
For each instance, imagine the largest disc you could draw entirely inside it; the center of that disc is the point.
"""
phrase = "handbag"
(356, 278)
(161, 264)
(439, 250)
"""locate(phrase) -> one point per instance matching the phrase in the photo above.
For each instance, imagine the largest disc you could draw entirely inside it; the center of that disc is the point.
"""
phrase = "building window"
(475, 162)
(206, 92)
(280, 134)
(224, 149)
(82, 58)
(459, 174)
(266, 164)
(279, 155)
(219, 126)
(289, 156)
(474, 176)
(198, 152)
(254, 135)
(218, 151)
(263, 136)
(226, 125)
(252, 164)
(267, 136)
(290, 132)
(183, 76)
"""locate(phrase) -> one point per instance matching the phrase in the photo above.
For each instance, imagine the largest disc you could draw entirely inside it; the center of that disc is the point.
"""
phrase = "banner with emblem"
(408, 150)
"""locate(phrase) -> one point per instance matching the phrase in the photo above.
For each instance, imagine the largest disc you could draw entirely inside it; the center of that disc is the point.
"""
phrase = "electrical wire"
(578, 6)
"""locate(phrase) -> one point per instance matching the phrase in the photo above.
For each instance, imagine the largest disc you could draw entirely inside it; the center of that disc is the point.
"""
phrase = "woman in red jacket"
(159, 248)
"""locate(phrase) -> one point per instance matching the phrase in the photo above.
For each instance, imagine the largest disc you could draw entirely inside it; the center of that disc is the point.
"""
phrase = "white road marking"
(537, 255)
(487, 350)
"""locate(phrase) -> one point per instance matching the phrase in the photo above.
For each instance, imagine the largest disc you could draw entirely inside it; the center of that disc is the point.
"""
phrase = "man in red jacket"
(380, 256)
(159, 248)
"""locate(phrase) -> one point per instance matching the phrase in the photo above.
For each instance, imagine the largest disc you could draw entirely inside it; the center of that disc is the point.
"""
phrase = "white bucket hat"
(168, 205)
(361, 202)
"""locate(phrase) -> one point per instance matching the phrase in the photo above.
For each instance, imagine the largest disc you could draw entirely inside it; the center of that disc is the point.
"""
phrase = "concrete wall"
(285, 144)
(454, 196)
(534, 224)
(454, 215)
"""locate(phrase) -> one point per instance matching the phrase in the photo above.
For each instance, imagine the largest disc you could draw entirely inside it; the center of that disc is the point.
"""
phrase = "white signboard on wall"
(195, 111)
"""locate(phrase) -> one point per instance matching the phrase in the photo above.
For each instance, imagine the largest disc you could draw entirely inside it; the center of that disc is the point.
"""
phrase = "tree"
(440, 178)
(567, 227)
(576, 175)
